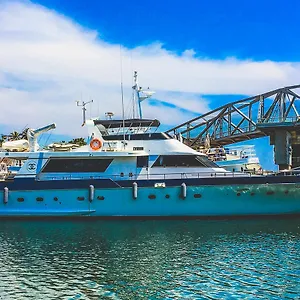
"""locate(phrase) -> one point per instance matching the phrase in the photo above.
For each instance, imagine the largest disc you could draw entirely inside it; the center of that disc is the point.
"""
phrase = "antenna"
(122, 94)
(83, 104)
(135, 92)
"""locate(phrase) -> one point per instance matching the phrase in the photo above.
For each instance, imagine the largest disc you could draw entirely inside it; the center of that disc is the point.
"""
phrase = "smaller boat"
(16, 146)
(236, 158)
(62, 146)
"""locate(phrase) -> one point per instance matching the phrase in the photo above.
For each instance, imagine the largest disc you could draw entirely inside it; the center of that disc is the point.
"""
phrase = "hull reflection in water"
(151, 259)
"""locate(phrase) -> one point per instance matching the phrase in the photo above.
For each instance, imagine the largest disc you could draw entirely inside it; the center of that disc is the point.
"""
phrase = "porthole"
(100, 198)
(167, 196)
(252, 194)
(197, 195)
(55, 199)
(39, 199)
(80, 198)
(286, 192)
(151, 196)
(238, 194)
(20, 199)
(270, 193)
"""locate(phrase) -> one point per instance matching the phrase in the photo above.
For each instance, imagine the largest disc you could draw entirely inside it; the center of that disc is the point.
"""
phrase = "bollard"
(183, 190)
(5, 195)
(91, 193)
(134, 190)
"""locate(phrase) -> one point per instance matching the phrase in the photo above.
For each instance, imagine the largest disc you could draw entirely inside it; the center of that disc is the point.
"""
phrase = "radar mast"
(139, 95)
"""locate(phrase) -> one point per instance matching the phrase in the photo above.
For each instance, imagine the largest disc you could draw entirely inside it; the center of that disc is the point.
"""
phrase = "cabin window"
(206, 162)
(184, 161)
(142, 162)
(78, 165)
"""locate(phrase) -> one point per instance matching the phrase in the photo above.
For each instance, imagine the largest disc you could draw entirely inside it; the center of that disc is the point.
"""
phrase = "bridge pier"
(281, 139)
(296, 149)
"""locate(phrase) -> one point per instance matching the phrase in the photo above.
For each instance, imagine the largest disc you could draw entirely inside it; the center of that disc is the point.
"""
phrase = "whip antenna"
(122, 94)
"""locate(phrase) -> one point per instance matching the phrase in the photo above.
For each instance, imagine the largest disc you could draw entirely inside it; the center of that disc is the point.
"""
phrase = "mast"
(139, 95)
(134, 93)
(83, 109)
(122, 96)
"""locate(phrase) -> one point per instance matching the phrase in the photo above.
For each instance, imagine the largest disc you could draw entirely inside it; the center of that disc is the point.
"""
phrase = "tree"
(15, 135)
(2, 139)
(78, 141)
(23, 134)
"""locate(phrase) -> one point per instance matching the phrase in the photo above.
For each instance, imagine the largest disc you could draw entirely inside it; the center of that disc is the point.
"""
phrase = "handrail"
(159, 176)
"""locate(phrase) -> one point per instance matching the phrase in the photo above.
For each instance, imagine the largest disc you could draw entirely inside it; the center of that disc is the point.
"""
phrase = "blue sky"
(197, 55)
(216, 29)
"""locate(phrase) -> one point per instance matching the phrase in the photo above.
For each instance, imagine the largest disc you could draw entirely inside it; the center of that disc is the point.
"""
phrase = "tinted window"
(183, 161)
(142, 162)
(71, 165)
(139, 136)
(206, 162)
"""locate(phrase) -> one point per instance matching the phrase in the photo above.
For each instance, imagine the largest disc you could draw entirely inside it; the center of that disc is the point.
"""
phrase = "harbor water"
(153, 259)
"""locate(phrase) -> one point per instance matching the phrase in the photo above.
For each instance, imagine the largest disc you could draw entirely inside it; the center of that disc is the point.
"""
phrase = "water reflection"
(196, 259)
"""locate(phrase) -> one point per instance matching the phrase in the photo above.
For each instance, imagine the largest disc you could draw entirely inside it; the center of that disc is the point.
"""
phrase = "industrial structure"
(274, 114)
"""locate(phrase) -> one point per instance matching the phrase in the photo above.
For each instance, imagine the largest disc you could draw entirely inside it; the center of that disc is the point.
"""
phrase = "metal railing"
(161, 176)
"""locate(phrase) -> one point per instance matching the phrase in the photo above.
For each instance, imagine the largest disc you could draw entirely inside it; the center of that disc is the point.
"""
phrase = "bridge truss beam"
(243, 119)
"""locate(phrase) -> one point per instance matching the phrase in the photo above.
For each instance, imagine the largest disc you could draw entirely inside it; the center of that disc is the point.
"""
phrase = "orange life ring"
(95, 144)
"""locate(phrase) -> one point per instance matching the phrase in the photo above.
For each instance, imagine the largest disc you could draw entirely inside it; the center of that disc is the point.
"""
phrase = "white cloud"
(47, 61)
(185, 101)
(171, 115)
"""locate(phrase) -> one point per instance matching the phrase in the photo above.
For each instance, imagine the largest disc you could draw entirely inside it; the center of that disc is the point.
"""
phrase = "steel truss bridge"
(274, 113)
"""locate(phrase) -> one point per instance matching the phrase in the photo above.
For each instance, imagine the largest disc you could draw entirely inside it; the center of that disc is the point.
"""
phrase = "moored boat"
(131, 169)
(236, 158)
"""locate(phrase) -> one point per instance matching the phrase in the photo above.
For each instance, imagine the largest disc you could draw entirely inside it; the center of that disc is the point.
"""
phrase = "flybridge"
(128, 123)
(127, 127)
